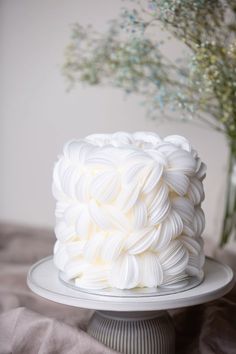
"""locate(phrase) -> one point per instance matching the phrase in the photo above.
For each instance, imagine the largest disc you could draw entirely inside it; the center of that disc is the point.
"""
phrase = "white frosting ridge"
(128, 210)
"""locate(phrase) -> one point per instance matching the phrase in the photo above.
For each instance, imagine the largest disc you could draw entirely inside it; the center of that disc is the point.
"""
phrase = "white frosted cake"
(128, 211)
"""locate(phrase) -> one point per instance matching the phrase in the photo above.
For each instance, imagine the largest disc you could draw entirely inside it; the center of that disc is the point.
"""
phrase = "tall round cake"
(128, 211)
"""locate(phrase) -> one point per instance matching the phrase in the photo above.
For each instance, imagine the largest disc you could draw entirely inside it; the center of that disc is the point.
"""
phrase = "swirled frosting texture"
(128, 211)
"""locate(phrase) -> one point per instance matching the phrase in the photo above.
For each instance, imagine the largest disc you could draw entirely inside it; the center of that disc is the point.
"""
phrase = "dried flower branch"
(127, 57)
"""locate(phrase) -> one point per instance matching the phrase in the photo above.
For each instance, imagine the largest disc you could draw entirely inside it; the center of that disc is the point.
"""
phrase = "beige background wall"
(37, 115)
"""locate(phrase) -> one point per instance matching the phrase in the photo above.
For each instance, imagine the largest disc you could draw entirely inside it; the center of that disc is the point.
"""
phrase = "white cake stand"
(133, 325)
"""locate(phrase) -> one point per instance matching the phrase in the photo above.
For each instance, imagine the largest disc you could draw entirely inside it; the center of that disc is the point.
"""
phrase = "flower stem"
(229, 223)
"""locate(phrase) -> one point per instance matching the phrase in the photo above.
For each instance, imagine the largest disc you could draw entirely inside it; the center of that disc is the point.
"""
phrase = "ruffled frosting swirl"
(128, 210)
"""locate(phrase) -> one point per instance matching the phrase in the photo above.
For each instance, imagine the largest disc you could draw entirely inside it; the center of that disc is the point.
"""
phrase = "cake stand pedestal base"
(134, 332)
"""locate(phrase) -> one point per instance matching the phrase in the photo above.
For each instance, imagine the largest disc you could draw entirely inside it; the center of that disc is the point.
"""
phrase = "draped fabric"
(31, 324)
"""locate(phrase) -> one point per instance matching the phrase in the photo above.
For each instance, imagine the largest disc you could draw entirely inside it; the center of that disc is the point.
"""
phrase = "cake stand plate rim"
(43, 280)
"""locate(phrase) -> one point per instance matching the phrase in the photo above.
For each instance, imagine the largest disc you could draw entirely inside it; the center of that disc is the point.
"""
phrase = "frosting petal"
(198, 221)
(195, 191)
(142, 240)
(153, 178)
(174, 258)
(169, 229)
(151, 273)
(178, 182)
(99, 216)
(63, 231)
(125, 272)
(93, 278)
(105, 186)
(179, 141)
(181, 160)
(140, 215)
(93, 247)
(113, 247)
(184, 208)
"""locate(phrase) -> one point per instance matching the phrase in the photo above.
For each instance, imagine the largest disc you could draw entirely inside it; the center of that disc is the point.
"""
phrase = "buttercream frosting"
(128, 210)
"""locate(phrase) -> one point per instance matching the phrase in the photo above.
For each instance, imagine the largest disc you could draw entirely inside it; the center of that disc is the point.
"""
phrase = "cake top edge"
(141, 140)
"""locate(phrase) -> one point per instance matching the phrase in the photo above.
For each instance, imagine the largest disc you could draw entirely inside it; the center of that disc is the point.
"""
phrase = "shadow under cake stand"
(132, 324)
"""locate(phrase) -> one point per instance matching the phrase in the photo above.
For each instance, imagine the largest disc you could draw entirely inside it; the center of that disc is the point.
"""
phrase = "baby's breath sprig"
(129, 56)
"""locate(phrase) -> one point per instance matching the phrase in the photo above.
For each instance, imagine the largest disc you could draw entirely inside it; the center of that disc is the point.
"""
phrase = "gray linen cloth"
(31, 324)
